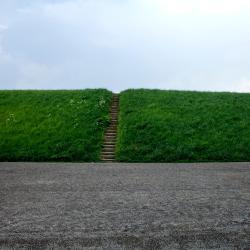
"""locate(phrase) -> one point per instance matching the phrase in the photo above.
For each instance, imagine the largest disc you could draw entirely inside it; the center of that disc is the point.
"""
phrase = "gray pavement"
(124, 206)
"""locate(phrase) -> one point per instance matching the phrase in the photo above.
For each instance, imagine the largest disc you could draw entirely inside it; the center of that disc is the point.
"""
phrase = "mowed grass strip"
(177, 126)
(53, 125)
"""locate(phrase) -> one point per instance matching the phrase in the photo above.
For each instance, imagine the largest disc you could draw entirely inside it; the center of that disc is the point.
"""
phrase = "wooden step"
(106, 147)
(110, 135)
(111, 128)
(106, 152)
(111, 132)
(108, 155)
(109, 144)
(110, 138)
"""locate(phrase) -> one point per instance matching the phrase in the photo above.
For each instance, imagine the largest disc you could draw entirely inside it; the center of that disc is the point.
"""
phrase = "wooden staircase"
(108, 151)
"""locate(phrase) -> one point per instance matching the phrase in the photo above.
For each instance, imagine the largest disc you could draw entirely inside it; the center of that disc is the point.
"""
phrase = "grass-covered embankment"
(179, 126)
(53, 125)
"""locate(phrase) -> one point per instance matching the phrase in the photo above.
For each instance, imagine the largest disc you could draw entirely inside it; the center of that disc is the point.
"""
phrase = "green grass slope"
(53, 125)
(175, 126)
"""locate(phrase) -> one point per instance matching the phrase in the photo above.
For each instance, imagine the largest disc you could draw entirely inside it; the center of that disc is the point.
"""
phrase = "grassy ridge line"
(179, 126)
(52, 125)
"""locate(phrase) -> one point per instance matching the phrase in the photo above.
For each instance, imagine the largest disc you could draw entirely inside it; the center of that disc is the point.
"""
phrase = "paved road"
(124, 206)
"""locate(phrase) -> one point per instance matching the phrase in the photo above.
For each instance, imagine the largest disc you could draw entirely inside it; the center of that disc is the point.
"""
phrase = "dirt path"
(125, 206)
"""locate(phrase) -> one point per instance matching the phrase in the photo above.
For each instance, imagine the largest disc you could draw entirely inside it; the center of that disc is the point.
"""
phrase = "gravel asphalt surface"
(124, 206)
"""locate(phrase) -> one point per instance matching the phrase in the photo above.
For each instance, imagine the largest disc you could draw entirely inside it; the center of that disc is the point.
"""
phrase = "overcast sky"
(120, 44)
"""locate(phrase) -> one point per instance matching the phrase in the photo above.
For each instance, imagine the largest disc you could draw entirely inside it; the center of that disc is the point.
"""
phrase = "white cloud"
(210, 7)
(3, 27)
(242, 86)
(4, 57)
(38, 76)
(195, 44)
